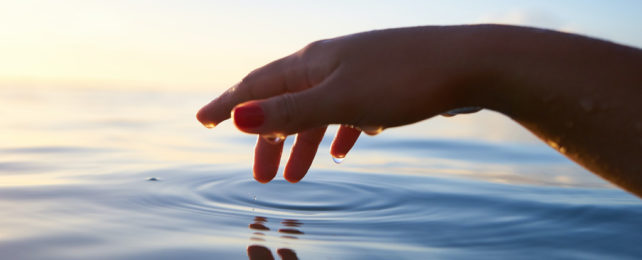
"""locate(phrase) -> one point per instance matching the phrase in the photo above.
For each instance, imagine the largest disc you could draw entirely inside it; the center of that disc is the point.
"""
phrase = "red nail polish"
(248, 116)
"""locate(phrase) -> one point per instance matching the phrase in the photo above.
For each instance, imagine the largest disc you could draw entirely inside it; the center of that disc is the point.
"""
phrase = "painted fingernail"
(248, 116)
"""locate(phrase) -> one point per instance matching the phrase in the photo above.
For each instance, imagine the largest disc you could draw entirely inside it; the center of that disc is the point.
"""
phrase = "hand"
(368, 81)
(578, 94)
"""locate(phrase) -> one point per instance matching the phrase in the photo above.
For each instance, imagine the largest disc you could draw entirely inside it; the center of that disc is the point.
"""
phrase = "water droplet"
(152, 179)
(209, 125)
(338, 160)
(372, 130)
(553, 144)
(461, 110)
(448, 114)
(274, 138)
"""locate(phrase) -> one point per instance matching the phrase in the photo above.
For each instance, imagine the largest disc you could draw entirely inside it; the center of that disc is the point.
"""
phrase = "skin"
(579, 95)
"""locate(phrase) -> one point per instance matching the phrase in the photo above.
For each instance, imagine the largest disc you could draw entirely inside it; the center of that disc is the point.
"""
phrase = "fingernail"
(248, 116)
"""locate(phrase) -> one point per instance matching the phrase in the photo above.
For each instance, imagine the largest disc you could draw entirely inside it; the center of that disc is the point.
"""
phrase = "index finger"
(287, 74)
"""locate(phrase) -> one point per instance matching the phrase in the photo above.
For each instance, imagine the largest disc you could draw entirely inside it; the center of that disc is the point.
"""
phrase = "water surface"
(101, 174)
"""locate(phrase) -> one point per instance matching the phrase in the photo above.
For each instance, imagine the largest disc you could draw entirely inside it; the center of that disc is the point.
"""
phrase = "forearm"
(579, 95)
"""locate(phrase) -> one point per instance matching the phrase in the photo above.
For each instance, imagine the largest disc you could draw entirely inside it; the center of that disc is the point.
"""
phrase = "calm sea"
(130, 174)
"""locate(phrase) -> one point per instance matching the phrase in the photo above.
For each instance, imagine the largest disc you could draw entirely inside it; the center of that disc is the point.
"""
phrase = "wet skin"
(580, 95)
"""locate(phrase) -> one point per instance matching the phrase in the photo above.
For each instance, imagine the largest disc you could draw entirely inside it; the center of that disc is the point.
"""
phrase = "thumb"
(286, 114)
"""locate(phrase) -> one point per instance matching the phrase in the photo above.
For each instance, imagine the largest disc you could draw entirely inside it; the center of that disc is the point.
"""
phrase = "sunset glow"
(212, 44)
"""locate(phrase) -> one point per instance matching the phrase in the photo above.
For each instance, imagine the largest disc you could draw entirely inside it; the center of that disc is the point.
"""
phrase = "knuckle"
(313, 47)
(320, 52)
(288, 107)
(248, 78)
(245, 87)
(319, 59)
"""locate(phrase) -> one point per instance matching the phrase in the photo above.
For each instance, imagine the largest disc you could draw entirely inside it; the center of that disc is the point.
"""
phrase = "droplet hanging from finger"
(275, 138)
(371, 130)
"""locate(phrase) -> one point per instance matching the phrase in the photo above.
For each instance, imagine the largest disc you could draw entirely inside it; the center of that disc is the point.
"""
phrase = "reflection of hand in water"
(290, 229)
(257, 252)
(258, 224)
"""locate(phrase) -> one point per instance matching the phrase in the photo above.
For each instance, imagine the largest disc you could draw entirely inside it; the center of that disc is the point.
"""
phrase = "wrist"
(477, 79)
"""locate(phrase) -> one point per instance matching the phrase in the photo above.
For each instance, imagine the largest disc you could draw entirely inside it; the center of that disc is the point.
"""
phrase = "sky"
(197, 45)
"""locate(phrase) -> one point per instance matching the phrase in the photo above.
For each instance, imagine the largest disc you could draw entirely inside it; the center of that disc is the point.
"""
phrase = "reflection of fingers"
(256, 252)
(286, 254)
(303, 152)
(266, 159)
(280, 76)
(343, 141)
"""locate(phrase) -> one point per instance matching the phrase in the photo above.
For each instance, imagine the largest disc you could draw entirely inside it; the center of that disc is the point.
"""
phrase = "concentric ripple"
(371, 212)
(322, 198)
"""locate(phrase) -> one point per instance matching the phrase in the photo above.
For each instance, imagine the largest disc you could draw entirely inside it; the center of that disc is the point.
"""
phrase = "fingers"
(294, 112)
(287, 74)
(303, 152)
(344, 140)
(267, 156)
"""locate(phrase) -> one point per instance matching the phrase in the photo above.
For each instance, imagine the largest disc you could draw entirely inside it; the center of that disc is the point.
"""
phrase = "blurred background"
(209, 45)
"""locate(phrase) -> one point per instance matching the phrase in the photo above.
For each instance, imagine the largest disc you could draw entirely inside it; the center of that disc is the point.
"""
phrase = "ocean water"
(130, 174)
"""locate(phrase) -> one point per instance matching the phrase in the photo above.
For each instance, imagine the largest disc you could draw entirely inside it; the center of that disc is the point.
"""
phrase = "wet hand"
(368, 81)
